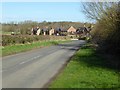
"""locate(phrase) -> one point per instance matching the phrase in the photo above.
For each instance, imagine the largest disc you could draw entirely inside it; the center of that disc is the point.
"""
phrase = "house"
(36, 31)
(83, 31)
(64, 32)
(51, 31)
(45, 31)
(71, 30)
(61, 31)
(57, 31)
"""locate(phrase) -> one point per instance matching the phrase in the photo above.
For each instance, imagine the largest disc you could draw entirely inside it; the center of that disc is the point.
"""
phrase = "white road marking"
(22, 62)
(31, 59)
(34, 57)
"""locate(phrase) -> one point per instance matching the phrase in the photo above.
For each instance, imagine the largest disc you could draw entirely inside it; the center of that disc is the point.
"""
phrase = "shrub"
(22, 39)
(106, 33)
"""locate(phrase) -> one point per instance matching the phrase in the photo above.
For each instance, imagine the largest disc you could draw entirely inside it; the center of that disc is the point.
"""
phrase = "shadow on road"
(73, 46)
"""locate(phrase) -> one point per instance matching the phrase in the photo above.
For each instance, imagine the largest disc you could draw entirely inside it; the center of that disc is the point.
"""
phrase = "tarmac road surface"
(33, 69)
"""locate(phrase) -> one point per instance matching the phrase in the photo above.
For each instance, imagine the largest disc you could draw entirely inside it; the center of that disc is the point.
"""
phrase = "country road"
(33, 69)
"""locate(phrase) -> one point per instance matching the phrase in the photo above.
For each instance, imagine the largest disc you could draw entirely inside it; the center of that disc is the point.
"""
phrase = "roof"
(57, 29)
(52, 29)
(83, 29)
(35, 29)
(71, 29)
(45, 29)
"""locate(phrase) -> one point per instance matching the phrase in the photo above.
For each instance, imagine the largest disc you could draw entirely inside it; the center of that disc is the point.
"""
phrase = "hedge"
(22, 39)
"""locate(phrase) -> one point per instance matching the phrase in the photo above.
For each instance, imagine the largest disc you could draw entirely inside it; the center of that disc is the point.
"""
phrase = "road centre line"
(30, 59)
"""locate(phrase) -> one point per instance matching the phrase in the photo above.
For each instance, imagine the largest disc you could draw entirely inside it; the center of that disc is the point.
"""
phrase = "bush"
(22, 39)
(82, 38)
(106, 32)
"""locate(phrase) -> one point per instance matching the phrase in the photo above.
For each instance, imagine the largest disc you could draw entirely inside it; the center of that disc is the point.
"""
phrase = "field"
(87, 69)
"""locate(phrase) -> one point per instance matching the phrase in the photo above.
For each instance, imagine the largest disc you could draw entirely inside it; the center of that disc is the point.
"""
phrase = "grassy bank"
(87, 70)
(7, 50)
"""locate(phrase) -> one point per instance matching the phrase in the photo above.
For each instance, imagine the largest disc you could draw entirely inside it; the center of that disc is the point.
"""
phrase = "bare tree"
(106, 32)
(95, 10)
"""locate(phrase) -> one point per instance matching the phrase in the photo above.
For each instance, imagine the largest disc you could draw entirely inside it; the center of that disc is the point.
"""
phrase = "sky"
(43, 11)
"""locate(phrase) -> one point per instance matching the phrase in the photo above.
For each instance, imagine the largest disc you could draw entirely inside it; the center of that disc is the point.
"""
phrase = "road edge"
(59, 71)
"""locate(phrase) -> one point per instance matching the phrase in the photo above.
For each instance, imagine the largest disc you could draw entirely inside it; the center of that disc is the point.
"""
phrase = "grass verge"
(8, 50)
(87, 70)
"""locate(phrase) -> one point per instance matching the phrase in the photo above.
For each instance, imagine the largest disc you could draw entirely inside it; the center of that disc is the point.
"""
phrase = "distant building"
(36, 31)
(64, 32)
(61, 31)
(83, 31)
(45, 31)
(71, 30)
(51, 31)
(57, 31)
